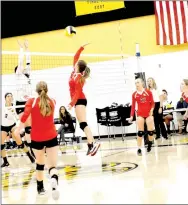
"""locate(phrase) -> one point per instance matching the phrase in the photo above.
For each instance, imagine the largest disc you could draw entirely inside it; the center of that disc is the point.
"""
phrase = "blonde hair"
(44, 104)
(185, 81)
(83, 69)
(86, 74)
(154, 83)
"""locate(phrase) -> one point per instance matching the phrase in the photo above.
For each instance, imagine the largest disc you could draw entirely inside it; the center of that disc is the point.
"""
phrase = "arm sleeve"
(78, 89)
(77, 56)
(27, 110)
(21, 57)
(20, 61)
(28, 57)
(133, 106)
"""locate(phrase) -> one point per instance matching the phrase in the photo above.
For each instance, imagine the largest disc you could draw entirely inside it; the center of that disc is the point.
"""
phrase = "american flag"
(171, 22)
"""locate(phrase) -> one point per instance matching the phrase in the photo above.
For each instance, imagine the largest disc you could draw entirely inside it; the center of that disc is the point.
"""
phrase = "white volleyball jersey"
(23, 87)
(9, 116)
(23, 83)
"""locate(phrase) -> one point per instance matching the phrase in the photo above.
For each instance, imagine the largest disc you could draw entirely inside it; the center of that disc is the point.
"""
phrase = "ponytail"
(44, 104)
(85, 75)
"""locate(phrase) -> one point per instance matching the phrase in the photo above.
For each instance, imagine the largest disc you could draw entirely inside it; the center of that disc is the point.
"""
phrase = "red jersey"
(185, 97)
(75, 84)
(144, 101)
(43, 128)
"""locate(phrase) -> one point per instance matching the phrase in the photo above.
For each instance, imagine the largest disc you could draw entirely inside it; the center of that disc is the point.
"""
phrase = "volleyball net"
(110, 73)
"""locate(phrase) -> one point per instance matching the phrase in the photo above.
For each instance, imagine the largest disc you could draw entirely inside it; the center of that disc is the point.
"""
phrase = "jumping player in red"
(43, 136)
(76, 82)
(145, 107)
(184, 90)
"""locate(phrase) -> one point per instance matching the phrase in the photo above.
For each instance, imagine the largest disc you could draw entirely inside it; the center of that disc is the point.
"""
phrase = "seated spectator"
(184, 90)
(166, 106)
(65, 121)
(180, 115)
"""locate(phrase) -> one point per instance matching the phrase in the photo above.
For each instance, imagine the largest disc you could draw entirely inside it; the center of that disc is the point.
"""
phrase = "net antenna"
(121, 47)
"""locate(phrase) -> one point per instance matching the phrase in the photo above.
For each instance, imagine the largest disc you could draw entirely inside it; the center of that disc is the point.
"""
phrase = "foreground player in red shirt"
(184, 90)
(145, 107)
(43, 135)
(76, 82)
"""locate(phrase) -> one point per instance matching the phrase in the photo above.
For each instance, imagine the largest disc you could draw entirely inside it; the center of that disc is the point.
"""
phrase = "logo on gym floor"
(70, 172)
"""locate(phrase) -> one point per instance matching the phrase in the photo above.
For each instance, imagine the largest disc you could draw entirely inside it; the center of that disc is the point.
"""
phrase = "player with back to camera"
(23, 87)
(76, 83)
(43, 136)
(145, 102)
(8, 124)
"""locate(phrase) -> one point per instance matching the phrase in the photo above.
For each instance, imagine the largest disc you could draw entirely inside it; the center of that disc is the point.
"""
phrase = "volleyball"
(70, 31)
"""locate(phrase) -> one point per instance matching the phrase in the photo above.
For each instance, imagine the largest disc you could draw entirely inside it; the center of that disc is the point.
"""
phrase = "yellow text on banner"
(89, 7)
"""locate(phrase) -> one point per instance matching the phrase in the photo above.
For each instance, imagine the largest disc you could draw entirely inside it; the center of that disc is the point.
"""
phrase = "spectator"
(184, 90)
(167, 105)
(65, 121)
(180, 115)
(158, 110)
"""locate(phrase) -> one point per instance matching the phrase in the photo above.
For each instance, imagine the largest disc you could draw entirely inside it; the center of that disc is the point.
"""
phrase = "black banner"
(42, 16)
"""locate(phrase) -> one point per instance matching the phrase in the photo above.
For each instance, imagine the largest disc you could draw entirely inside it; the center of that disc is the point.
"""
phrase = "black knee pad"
(40, 167)
(51, 169)
(83, 125)
(150, 133)
(140, 133)
(2, 147)
(21, 146)
(28, 130)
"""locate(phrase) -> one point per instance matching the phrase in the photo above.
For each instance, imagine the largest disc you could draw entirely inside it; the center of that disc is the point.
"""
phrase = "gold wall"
(105, 38)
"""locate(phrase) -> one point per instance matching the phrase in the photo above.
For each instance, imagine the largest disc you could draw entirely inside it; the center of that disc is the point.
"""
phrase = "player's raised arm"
(78, 53)
(20, 67)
